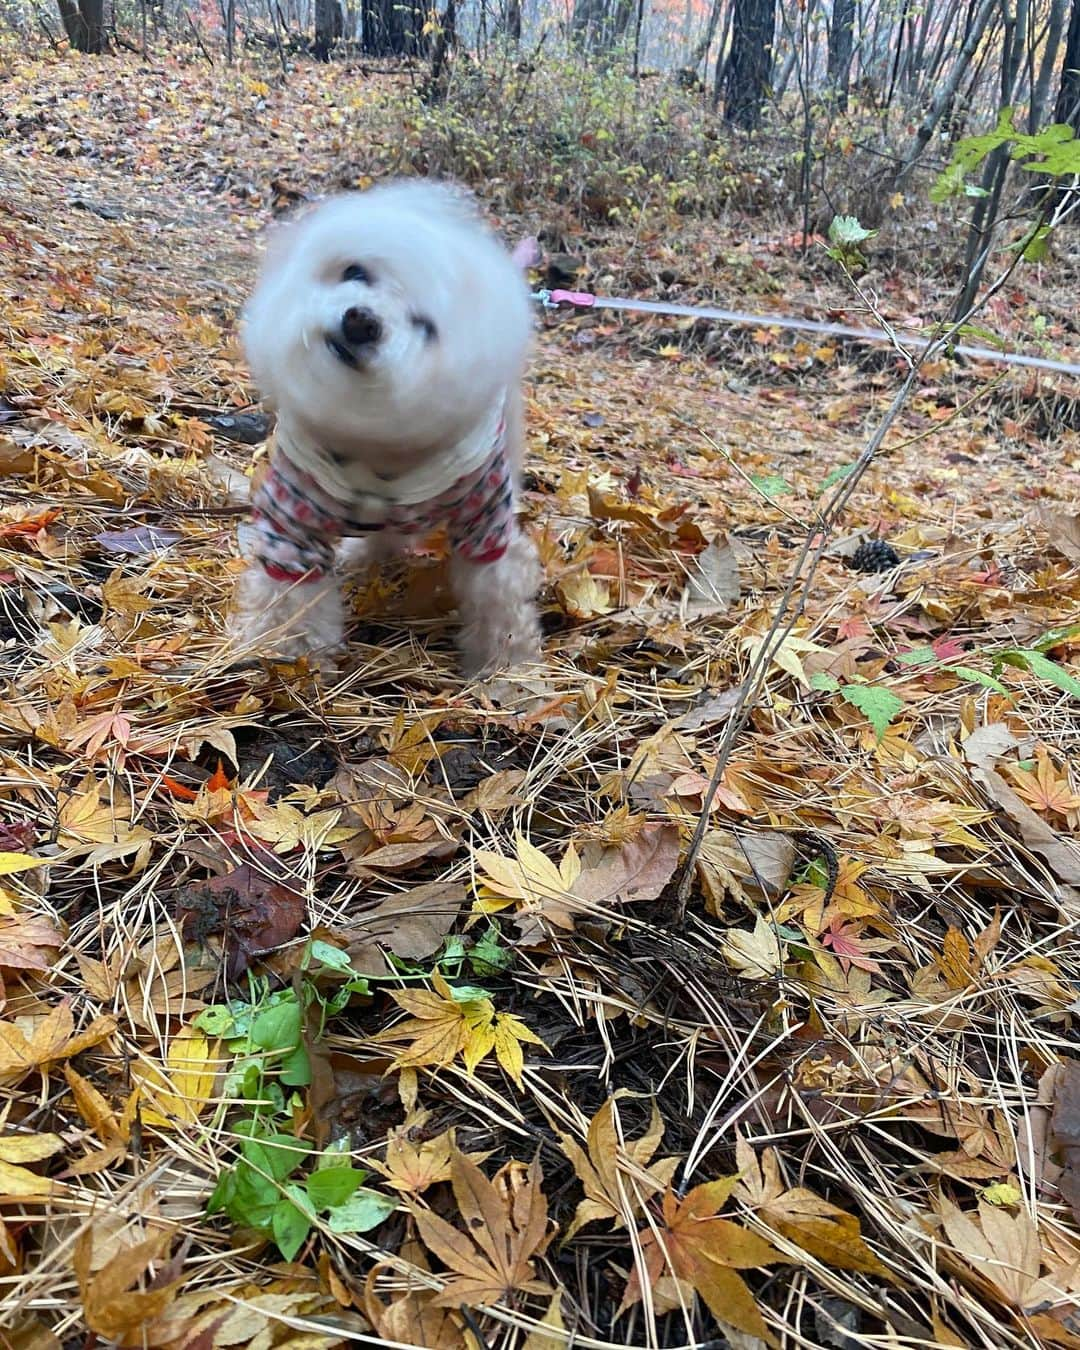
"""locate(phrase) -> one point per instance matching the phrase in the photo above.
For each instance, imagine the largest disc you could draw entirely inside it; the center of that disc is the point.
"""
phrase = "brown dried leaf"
(413, 1163)
(416, 1319)
(617, 1178)
(694, 1245)
(507, 1225)
(1001, 1249)
(27, 942)
(822, 1229)
(1065, 1124)
(636, 870)
(714, 584)
(112, 1307)
(252, 913)
(412, 925)
(51, 1037)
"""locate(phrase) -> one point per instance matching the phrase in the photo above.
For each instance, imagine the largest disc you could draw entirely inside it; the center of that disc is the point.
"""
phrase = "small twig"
(798, 588)
(198, 38)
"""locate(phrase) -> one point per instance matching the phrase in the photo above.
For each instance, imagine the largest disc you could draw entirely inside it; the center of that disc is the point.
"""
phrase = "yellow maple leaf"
(96, 820)
(177, 1094)
(413, 1163)
(585, 597)
(531, 880)
(502, 1032)
(37, 1042)
(617, 1174)
(286, 827)
(1047, 789)
(16, 1149)
(787, 655)
(18, 862)
(822, 1229)
(442, 1027)
(755, 955)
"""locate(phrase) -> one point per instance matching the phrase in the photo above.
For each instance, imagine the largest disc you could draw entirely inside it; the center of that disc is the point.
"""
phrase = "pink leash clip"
(579, 299)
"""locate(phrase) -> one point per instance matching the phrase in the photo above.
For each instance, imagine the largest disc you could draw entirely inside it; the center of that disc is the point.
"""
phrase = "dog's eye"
(426, 327)
(357, 272)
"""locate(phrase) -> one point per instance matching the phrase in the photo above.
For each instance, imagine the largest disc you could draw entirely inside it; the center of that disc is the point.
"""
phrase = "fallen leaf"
(615, 1172)
(1002, 1250)
(711, 714)
(634, 871)
(412, 1163)
(112, 1307)
(755, 955)
(1047, 789)
(1065, 1126)
(701, 1249)
(822, 1229)
(413, 925)
(1063, 528)
(17, 1149)
(585, 597)
(48, 1039)
(28, 943)
(18, 862)
(506, 1225)
(251, 913)
(178, 1093)
(442, 1027)
(713, 584)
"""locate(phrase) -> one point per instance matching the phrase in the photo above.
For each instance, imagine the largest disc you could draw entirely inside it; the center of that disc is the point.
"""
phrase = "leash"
(550, 300)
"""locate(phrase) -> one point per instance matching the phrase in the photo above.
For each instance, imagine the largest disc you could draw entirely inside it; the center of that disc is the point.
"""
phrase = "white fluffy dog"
(389, 332)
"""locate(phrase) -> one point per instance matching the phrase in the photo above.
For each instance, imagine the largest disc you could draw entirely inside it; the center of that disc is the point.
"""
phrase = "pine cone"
(874, 555)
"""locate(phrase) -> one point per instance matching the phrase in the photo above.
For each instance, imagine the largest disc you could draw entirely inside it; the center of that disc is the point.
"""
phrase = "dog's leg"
(287, 602)
(496, 600)
(287, 619)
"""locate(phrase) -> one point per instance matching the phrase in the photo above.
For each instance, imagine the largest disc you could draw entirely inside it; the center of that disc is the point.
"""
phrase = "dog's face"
(386, 323)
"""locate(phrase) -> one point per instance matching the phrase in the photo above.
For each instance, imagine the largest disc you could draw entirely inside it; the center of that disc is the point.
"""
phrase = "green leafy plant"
(266, 1188)
(1054, 152)
(1040, 665)
(262, 1191)
(878, 705)
(845, 236)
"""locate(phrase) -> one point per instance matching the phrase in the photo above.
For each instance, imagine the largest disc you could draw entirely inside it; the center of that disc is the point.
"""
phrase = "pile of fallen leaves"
(366, 1008)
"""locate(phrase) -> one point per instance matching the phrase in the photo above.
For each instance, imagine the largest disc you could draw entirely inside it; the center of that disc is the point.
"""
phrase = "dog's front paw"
(500, 629)
(287, 621)
(486, 651)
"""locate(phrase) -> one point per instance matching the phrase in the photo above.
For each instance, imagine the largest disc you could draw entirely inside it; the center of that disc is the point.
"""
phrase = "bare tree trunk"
(701, 51)
(638, 24)
(329, 26)
(946, 95)
(995, 172)
(597, 25)
(84, 24)
(841, 37)
(228, 18)
(1067, 107)
(748, 73)
(1040, 95)
(276, 24)
(391, 27)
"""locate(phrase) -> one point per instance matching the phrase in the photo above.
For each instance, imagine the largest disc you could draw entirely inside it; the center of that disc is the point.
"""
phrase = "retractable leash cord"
(550, 300)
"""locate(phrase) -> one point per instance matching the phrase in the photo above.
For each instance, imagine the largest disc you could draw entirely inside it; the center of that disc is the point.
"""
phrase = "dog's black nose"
(360, 328)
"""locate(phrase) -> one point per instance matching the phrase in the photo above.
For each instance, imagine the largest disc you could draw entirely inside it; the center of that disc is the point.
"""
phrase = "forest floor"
(394, 966)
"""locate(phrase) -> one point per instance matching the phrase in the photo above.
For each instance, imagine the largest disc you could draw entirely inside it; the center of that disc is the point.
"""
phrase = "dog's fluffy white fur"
(454, 323)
